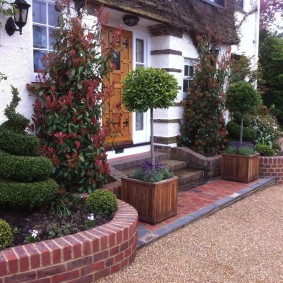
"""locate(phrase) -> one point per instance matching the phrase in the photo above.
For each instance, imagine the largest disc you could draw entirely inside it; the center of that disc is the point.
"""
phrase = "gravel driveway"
(241, 243)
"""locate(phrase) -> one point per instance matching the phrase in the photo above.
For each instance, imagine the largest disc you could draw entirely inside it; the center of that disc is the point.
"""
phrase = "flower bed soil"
(50, 221)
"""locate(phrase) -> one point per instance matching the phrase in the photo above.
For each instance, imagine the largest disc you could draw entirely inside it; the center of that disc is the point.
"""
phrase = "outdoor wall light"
(214, 50)
(131, 20)
(20, 10)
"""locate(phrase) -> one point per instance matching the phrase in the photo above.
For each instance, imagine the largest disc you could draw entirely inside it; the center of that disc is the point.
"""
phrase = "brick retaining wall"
(271, 166)
(82, 257)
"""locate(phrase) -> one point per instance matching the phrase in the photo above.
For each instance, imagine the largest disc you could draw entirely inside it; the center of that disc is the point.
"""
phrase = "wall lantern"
(20, 10)
(131, 20)
(214, 50)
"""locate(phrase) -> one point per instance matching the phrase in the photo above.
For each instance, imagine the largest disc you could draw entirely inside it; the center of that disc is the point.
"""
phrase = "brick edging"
(81, 257)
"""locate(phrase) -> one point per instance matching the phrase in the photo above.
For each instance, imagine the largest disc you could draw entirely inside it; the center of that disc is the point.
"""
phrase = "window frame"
(45, 25)
(191, 63)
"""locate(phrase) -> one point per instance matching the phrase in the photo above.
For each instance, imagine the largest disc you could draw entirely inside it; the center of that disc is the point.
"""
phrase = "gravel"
(241, 243)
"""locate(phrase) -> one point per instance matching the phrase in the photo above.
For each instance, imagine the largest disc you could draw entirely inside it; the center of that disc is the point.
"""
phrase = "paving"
(199, 202)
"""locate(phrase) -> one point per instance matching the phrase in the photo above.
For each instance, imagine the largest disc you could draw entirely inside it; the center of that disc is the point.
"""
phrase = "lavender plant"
(150, 172)
(240, 148)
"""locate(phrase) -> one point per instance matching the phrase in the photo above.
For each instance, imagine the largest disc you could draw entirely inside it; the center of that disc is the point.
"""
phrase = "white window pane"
(39, 37)
(52, 15)
(39, 12)
(140, 50)
(38, 65)
(139, 121)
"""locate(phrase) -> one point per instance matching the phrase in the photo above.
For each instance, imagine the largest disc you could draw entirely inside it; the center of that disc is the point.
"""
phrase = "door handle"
(126, 123)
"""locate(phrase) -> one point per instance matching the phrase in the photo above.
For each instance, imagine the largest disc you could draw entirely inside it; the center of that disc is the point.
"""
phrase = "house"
(157, 33)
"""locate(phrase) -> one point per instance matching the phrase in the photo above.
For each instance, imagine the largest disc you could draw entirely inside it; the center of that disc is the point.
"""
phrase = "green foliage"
(16, 122)
(271, 60)
(233, 128)
(6, 235)
(240, 148)
(242, 98)
(152, 173)
(146, 88)
(18, 144)
(68, 108)
(102, 202)
(241, 69)
(27, 196)
(265, 150)
(23, 168)
(203, 128)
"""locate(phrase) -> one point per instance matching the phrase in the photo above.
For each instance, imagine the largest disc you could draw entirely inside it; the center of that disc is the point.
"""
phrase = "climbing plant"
(203, 127)
(68, 106)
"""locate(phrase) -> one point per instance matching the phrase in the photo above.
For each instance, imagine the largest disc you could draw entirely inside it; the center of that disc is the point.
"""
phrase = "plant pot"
(240, 168)
(153, 201)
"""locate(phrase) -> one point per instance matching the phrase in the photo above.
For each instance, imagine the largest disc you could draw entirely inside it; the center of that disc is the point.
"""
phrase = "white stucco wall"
(16, 63)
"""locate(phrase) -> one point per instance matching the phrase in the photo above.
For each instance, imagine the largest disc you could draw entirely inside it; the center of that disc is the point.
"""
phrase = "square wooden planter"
(153, 201)
(240, 168)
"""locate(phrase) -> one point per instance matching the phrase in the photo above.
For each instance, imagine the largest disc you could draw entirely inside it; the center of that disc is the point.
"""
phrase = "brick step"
(188, 176)
(135, 160)
(174, 165)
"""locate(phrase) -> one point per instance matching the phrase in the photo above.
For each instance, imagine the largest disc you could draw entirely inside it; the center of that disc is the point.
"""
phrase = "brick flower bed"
(81, 257)
(271, 166)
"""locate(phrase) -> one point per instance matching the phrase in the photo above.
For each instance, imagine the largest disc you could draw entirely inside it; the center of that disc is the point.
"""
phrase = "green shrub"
(27, 195)
(18, 144)
(233, 129)
(246, 119)
(265, 150)
(6, 234)
(16, 122)
(102, 202)
(24, 168)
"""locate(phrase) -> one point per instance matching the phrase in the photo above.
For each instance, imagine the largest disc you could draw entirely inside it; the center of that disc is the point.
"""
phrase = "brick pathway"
(198, 202)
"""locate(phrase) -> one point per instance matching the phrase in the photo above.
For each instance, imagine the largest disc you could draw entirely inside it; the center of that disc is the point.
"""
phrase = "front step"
(188, 176)
(135, 160)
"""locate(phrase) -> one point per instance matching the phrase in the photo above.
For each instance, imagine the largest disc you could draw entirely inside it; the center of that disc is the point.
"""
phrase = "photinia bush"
(68, 106)
(203, 127)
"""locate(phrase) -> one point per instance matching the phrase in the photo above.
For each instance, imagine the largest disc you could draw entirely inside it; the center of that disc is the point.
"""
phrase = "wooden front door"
(115, 112)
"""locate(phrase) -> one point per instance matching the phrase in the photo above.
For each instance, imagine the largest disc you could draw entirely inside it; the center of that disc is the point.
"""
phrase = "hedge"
(24, 168)
(18, 144)
(27, 196)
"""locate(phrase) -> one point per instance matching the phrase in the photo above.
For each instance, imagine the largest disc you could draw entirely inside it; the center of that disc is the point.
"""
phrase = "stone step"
(135, 160)
(174, 165)
(188, 176)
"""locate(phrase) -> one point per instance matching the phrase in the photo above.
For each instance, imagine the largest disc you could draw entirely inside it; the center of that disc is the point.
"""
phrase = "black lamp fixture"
(20, 10)
(214, 50)
(131, 20)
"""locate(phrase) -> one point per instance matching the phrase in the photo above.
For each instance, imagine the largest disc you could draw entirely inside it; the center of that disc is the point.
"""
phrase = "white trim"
(143, 135)
(128, 151)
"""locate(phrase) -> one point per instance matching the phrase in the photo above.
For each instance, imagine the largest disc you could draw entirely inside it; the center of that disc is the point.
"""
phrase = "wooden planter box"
(153, 201)
(240, 168)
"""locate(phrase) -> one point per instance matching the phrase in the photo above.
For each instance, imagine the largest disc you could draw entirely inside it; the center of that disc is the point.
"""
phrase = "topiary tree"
(242, 98)
(148, 88)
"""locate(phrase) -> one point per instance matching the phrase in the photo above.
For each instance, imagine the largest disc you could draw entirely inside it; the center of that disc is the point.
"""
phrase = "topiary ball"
(6, 234)
(102, 202)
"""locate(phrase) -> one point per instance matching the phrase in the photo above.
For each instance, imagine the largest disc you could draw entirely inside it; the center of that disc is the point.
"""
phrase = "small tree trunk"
(151, 137)
(242, 126)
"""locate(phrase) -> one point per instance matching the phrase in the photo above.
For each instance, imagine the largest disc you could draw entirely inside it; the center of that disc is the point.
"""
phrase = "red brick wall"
(82, 257)
(271, 166)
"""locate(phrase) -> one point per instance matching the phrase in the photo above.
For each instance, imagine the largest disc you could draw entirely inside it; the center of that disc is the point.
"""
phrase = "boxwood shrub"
(233, 129)
(27, 196)
(24, 168)
(18, 144)
(6, 235)
(102, 202)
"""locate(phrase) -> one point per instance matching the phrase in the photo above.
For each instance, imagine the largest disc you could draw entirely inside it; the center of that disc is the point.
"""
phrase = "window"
(140, 62)
(217, 2)
(240, 4)
(44, 17)
(188, 76)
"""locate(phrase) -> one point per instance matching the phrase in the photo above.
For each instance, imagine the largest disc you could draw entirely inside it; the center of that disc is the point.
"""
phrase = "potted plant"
(240, 162)
(152, 190)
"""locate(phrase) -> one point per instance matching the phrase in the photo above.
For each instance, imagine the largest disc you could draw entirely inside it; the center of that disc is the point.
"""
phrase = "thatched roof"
(190, 16)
